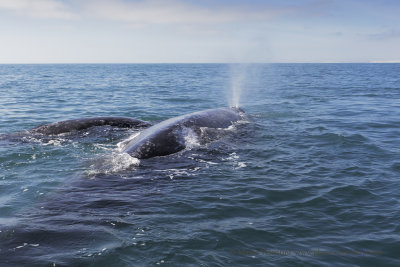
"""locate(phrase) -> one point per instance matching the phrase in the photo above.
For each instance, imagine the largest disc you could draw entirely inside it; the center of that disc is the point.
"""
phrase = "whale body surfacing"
(61, 127)
(167, 137)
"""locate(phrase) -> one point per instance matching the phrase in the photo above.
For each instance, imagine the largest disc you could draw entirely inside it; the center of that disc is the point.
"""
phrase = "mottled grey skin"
(85, 123)
(166, 137)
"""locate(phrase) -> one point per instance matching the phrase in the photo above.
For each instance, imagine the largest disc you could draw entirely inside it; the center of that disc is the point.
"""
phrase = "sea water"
(310, 178)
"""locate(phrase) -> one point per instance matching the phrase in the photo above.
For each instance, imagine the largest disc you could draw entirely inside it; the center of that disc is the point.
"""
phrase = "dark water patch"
(333, 138)
(395, 166)
(380, 125)
(351, 193)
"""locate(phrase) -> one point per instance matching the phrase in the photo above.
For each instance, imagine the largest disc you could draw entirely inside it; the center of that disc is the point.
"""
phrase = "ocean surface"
(310, 178)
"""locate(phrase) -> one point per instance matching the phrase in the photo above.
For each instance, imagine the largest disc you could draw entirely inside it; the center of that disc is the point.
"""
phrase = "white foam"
(241, 165)
(234, 158)
(172, 173)
(24, 245)
(190, 137)
(54, 142)
(112, 163)
(57, 141)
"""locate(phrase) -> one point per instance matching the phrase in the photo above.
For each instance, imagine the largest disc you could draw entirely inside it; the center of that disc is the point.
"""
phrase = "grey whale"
(167, 136)
(161, 139)
(70, 126)
(60, 127)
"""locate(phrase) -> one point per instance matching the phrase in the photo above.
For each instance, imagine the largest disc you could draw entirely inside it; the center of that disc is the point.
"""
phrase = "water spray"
(238, 78)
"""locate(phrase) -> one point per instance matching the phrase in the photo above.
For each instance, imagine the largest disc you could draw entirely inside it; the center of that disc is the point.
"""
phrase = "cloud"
(48, 9)
(176, 12)
(160, 12)
(384, 35)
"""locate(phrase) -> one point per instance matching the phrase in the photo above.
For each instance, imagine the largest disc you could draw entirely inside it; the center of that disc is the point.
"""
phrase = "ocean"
(310, 178)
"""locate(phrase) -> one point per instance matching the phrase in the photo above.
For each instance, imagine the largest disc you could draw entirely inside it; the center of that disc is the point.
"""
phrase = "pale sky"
(179, 31)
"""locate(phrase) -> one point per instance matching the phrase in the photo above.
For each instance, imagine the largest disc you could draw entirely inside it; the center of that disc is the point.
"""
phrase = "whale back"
(167, 137)
(61, 127)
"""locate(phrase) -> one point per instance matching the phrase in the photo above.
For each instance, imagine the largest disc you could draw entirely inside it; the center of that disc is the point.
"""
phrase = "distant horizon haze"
(179, 31)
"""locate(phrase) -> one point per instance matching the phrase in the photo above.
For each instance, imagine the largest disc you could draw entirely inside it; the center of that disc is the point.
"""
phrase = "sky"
(201, 31)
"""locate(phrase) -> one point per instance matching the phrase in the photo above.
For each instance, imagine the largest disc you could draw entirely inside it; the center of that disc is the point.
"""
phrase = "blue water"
(310, 178)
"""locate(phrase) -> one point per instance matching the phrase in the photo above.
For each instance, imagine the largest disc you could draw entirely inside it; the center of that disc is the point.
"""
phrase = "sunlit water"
(311, 178)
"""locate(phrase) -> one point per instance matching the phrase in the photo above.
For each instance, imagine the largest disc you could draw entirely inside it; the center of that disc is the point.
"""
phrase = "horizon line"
(227, 63)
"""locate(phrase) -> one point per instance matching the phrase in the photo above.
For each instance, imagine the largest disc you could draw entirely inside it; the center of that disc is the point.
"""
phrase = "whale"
(164, 138)
(72, 126)
(66, 126)
(168, 137)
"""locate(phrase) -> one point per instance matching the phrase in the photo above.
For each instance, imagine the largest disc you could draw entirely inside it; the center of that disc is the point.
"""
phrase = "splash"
(112, 163)
(190, 138)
